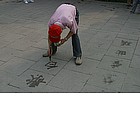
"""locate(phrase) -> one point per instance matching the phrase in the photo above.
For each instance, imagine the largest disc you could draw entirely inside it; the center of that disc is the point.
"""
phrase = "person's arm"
(67, 37)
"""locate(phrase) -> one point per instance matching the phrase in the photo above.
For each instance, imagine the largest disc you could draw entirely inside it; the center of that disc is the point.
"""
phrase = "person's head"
(55, 33)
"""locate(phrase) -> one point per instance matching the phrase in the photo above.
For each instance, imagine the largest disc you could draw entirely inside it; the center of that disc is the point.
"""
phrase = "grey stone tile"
(122, 42)
(7, 53)
(112, 27)
(94, 53)
(40, 66)
(128, 36)
(88, 66)
(34, 36)
(85, 22)
(94, 89)
(6, 20)
(114, 64)
(121, 52)
(118, 19)
(129, 88)
(135, 25)
(10, 37)
(31, 53)
(131, 31)
(42, 44)
(35, 25)
(23, 31)
(10, 89)
(86, 36)
(105, 14)
(3, 44)
(27, 83)
(105, 35)
(6, 77)
(7, 28)
(21, 44)
(107, 79)
(69, 80)
(16, 65)
(51, 89)
(99, 43)
(97, 23)
(133, 77)
(133, 18)
(1, 62)
(135, 62)
(137, 51)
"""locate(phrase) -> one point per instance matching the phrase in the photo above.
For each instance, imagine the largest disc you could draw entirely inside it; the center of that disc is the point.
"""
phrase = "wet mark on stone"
(116, 64)
(125, 43)
(108, 79)
(119, 52)
(51, 64)
(35, 81)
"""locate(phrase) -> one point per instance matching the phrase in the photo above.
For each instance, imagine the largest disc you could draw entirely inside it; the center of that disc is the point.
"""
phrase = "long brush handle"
(50, 53)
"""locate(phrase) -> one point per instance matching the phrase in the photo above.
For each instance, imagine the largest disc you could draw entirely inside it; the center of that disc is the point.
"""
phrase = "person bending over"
(65, 16)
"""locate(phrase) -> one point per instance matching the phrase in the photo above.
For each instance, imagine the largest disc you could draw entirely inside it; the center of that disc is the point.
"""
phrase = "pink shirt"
(65, 17)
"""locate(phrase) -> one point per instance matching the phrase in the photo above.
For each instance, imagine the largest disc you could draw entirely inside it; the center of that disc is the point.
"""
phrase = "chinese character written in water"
(119, 52)
(51, 64)
(35, 81)
(116, 64)
(109, 79)
(125, 43)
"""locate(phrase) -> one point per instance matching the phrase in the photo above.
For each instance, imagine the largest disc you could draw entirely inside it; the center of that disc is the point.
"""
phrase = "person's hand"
(63, 41)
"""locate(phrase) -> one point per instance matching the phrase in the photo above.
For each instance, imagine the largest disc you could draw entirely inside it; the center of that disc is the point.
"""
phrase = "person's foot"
(131, 12)
(25, 1)
(45, 54)
(78, 61)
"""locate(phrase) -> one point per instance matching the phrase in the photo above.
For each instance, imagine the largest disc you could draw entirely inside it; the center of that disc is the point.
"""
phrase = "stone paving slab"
(7, 53)
(16, 65)
(133, 77)
(9, 37)
(114, 64)
(10, 89)
(70, 81)
(24, 81)
(6, 77)
(107, 79)
(105, 35)
(128, 30)
(137, 51)
(41, 66)
(99, 43)
(42, 44)
(121, 52)
(90, 88)
(122, 42)
(129, 88)
(31, 53)
(128, 36)
(94, 53)
(109, 35)
(1, 62)
(21, 44)
(88, 68)
(135, 61)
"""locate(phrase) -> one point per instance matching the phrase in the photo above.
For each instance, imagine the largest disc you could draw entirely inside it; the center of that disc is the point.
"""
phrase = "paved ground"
(110, 39)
